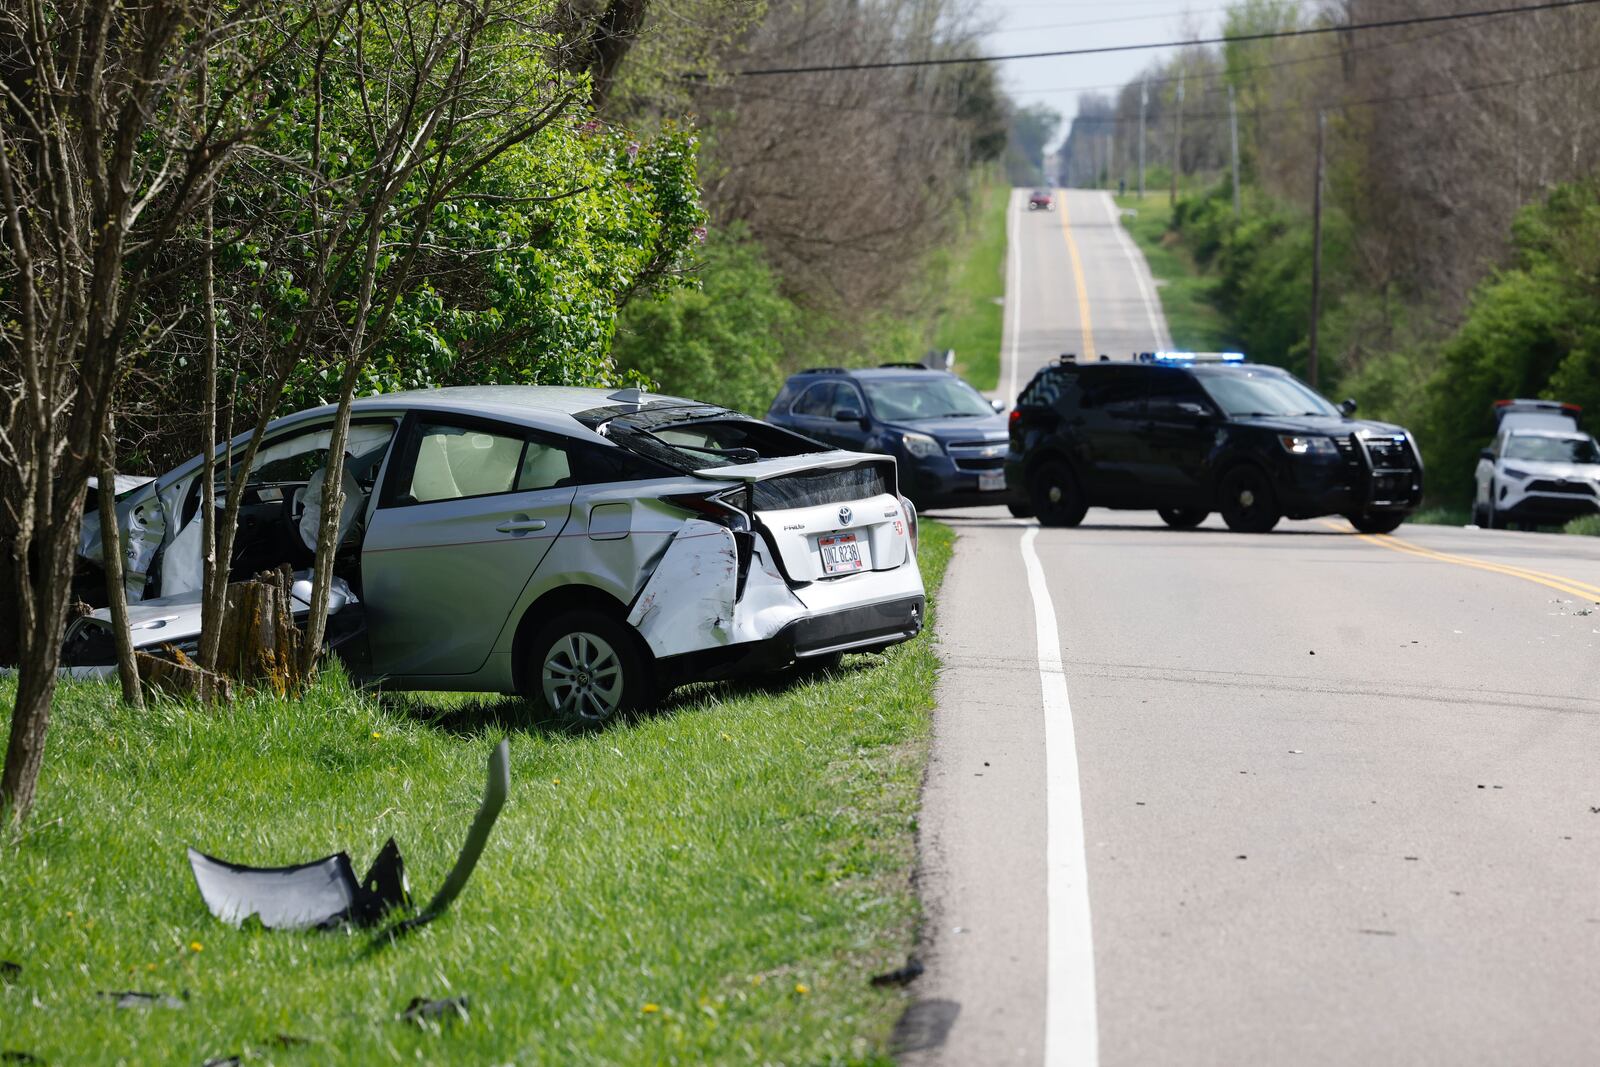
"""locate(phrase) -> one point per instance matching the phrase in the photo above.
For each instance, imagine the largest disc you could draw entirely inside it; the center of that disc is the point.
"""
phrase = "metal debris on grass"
(325, 893)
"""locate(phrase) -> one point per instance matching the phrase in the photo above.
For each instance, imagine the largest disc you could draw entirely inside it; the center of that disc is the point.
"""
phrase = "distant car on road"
(1188, 433)
(1533, 477)
(1041, 200)
(587, 548)
(950, 442)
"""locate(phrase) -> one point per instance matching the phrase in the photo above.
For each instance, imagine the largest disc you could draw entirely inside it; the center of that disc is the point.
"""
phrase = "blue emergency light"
(1189, 357)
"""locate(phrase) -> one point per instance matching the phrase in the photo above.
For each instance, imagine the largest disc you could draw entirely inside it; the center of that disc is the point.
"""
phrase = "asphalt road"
(1300, 798)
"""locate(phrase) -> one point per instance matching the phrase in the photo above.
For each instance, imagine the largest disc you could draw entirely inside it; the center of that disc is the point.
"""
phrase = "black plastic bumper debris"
(133, 999)
(321, 894)
(421, 1010)
(325, 893)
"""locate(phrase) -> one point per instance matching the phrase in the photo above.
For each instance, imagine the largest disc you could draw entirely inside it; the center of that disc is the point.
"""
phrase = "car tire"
(587, 668)
(1055, 496)
(1247, 502)
(1020, 511)
(1183, 518)
(1376, 522)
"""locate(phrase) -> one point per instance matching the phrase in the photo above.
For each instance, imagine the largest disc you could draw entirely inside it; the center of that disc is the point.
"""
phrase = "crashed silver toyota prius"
(588, 548)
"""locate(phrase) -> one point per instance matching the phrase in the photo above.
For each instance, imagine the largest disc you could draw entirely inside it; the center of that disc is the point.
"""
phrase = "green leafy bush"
(722, 340)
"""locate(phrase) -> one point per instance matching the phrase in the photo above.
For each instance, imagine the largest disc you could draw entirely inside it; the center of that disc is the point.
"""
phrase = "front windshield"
(1553, 449)
(910, 399)
(1246, 393)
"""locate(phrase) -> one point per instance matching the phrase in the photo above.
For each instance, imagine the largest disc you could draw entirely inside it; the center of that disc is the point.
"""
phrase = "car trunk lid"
(828, 517)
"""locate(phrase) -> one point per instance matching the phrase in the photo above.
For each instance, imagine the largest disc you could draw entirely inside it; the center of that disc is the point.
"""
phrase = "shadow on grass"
(471, 715)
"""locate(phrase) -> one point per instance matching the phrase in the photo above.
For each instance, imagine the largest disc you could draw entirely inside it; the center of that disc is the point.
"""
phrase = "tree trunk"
(42, 598)
(259, 642)
(111, 551)
(182, 677)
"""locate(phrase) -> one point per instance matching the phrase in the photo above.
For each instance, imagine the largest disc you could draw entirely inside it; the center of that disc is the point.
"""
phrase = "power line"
(1091, 121)
(1415, 20)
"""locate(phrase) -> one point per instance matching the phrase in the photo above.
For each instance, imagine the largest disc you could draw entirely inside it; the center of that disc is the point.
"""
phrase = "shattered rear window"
(805, 489)
(694, 437)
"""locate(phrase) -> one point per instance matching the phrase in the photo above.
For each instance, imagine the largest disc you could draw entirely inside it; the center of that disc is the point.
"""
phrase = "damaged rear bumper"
(866, 628)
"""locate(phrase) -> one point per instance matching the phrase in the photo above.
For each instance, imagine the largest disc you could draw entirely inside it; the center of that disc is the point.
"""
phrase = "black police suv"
(949, 441)
(1191, 433)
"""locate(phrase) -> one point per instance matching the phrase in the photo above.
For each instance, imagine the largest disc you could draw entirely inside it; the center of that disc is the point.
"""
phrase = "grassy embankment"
(971, 301)
(713, 882)
(1192, 320)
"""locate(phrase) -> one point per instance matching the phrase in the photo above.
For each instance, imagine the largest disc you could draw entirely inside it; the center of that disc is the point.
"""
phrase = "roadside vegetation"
(715, 881)
(1586, 526)
(972, 302)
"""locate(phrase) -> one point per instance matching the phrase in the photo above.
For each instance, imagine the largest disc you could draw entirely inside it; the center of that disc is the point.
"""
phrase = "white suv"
(1533, 477)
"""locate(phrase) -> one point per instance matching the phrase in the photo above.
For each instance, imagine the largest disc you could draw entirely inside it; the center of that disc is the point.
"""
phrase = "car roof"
(873, 373)
(547, 406)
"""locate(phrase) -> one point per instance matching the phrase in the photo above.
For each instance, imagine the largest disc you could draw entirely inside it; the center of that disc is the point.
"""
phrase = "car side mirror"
(847, 415)
(1486, 453)
(1348, 408)
(999, 406)
(1190, 410)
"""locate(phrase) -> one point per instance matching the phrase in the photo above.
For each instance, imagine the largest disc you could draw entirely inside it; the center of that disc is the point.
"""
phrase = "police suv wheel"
(587, 668)
(1247, 502)
(1053, 491)
(1377, 522)
(1183, 518)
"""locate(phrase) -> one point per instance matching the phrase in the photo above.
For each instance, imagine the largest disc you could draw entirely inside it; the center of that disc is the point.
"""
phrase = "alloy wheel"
(582, 677)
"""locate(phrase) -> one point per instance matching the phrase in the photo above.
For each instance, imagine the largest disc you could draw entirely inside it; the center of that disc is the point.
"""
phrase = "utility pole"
(1144, 98)
(1233, 138)
(1177, 142)
(1316, 256)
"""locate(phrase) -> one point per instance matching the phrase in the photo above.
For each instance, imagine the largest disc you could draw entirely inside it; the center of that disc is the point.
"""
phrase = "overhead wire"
(1274, 35)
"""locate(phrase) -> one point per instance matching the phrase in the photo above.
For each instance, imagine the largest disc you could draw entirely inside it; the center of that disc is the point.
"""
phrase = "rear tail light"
(730, 508)
(1014, 418)
(910, 511)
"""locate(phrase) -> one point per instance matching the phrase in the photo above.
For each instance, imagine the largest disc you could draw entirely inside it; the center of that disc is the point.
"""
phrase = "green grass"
(711, 883)
(1192, 319)
(1440, 516)
(970, 308)
(1588, 525)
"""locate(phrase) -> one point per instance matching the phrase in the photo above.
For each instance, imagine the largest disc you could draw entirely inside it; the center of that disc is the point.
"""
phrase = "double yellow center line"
(1561, 584)
(1087, 354)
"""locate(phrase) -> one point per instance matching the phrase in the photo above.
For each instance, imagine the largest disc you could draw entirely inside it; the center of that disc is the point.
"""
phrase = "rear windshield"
(1553, 449)
(805, 489)
(692, 437)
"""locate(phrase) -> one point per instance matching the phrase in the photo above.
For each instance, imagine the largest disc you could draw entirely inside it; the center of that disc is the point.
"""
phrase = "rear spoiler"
(763, 469)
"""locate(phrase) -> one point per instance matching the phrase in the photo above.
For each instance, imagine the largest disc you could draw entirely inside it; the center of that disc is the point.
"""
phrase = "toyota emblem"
(844, 516)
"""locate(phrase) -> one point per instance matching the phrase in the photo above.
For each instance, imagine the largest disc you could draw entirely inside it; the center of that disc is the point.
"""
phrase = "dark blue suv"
(950, 442)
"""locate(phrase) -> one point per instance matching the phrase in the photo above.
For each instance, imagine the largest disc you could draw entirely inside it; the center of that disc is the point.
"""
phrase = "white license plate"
(841, 553)
(991, 480)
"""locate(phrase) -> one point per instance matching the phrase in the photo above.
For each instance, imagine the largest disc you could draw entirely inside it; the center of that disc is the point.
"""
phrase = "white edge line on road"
(1013, 292)
(1141, 275)
(1071, 1031)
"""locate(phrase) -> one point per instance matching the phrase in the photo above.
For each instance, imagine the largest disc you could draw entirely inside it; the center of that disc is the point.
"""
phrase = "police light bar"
(1189, 357)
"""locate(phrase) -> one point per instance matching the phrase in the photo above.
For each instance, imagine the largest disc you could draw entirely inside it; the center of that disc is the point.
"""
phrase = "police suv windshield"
(1552, 449)
(909, 399)
(1243, 393)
